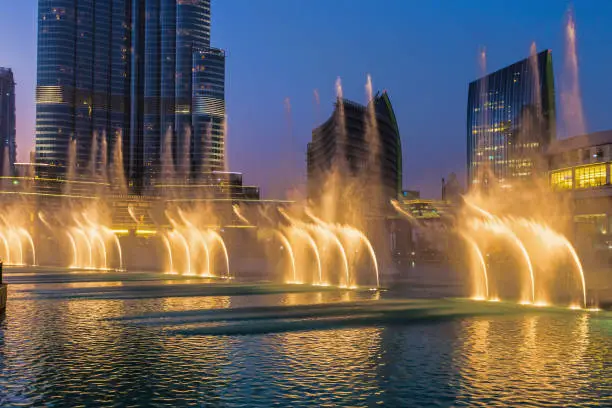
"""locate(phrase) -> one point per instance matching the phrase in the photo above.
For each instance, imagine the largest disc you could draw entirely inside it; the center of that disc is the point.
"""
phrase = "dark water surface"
(73, 339)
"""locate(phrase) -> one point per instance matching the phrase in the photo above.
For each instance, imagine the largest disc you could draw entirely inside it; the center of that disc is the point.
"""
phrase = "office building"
(131, 73)
(7, 122)
(342, 144)
(580, 173)
(510, 122)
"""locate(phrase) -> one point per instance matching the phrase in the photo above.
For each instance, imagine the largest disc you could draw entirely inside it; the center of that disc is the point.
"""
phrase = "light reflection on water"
(65, 352)
(542, 360)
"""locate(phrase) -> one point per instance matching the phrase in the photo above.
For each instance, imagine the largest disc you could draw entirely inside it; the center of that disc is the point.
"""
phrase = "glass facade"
(83, 77)
(56, 80)
(192, 33)
(510, 121)
(7, 122)
(208, 109)
(125, 67)
(593, 175)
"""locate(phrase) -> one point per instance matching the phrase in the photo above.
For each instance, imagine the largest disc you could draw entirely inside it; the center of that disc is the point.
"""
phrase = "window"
(561, 180)
(590, 176)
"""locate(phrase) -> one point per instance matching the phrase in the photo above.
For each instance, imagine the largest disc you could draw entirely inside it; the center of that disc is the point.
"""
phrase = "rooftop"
(581, 141)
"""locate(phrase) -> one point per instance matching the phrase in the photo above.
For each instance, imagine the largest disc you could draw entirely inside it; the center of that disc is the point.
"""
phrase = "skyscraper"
(360, 153)
(122, 71)
(7, 121)
(510, 121)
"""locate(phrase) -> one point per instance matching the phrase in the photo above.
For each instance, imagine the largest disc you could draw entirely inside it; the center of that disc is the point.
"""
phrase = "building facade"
(510, 122)
(208, 111)
(580, 172)
(118, 77)
(7, 122)
(343, 144)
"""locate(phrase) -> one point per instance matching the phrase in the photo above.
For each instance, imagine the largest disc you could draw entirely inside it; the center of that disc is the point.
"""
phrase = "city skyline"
(348, 203)
(258, 125)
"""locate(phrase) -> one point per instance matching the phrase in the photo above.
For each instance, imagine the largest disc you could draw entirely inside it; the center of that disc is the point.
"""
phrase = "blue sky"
(424, 53)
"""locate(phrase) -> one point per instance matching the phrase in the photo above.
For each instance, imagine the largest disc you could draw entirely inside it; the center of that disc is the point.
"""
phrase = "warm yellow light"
(593, 175)
(478, 298)
(146, 232)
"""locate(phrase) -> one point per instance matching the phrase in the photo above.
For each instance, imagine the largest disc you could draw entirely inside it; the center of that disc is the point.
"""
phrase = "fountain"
(93, 245)
(118, 173)
(544, 254)
(571, 99)
(17, 245)
(167, 161)
(341, 151)
(194, 248)
(317, 105)
(322, 253)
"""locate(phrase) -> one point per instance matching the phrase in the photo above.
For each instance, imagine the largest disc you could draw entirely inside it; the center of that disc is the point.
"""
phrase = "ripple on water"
(67, 352)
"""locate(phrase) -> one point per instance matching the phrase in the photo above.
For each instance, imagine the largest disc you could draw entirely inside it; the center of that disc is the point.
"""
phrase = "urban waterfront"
(74, 338)
(364, 242)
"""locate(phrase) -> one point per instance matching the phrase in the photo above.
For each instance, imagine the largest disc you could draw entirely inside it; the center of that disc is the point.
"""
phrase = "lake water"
(137, 339)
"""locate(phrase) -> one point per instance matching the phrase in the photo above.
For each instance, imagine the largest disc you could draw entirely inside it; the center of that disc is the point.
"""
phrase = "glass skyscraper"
(208, 111)
(510, 121)
(7, 121)
(126, 68)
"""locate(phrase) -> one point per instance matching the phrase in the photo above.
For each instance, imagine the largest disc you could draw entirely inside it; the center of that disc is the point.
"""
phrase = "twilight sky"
(423, 52)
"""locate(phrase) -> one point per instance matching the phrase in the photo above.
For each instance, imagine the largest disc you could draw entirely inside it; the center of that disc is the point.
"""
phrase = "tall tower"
(7, 121)
(82, 78)
(510, 121)
(114, 68)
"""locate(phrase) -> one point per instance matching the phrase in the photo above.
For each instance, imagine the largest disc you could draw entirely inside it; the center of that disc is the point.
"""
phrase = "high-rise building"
(510, 122)
(208, 110)
(111, 68)
(344, 145)
(7, 121)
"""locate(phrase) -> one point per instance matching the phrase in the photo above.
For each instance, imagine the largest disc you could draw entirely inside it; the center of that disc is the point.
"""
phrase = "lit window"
(590, 176)
(561, 180)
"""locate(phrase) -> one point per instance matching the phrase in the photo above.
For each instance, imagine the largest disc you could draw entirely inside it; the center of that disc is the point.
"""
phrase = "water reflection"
(347, 357)
(174, 304)
(530, 359)
(71, 351)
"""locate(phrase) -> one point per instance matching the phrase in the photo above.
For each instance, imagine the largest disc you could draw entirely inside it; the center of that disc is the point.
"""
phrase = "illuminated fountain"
(17, 244)
(93, 245)
(511, 222)
(323, 240)
(538, 248)
(571, 99)
(117, 171)
(545, 265)
(322, 253)
(194, 249)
